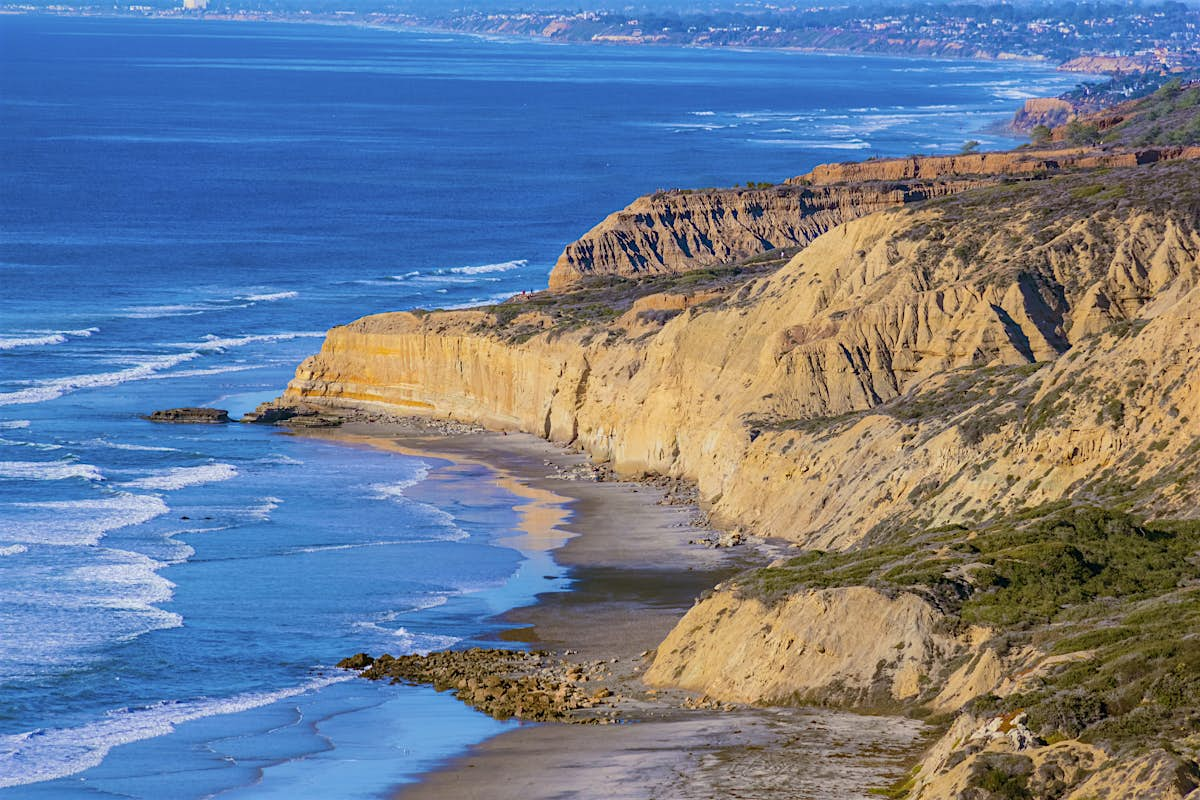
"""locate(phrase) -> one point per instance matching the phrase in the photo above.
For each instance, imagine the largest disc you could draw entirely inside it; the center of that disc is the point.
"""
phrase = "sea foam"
(49, 470)
(395, 492)
(78, 522)
(182, 477)
(124, 579)
(41, 338)
(53, 388)
(212, 343)
(269, 297)
(483, 269)
(43, 755)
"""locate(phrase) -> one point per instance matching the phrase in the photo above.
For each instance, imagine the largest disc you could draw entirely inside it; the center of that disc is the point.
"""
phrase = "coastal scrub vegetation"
(1116, 596)
(597, 300)
(1168, 116)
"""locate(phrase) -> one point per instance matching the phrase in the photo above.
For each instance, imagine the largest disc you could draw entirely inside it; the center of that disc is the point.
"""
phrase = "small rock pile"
(676, 491)
(597, 473)
(532, 686)
(722, 539)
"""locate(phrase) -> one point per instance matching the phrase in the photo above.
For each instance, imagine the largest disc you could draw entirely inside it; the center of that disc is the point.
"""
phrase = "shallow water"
(184, 208)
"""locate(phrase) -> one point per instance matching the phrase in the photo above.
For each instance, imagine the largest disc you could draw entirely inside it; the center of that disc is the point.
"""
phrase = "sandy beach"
(634, 573)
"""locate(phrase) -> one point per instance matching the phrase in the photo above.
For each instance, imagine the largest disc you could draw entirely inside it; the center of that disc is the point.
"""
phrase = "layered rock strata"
(681, 230)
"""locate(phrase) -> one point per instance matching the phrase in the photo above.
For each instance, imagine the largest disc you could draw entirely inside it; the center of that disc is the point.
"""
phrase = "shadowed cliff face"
(1007, 346)
(678, 231)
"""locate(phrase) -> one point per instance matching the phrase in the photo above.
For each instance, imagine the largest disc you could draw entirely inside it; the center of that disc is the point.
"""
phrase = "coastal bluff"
(925, 363)
(930, 402)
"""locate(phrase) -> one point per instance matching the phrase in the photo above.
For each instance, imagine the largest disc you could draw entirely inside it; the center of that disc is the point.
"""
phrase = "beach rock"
(293, 415)
(357, 661)
(203, 416)
(503, 683)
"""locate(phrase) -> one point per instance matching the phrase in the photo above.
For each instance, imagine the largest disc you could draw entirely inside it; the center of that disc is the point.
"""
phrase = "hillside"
(975, 417)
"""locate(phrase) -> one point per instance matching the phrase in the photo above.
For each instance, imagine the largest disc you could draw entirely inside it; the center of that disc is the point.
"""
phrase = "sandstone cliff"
(852, 645)
(950, 363)
(906, 365)
(1113, 64)
(678, 230)
(994, 165)
(1049, 111)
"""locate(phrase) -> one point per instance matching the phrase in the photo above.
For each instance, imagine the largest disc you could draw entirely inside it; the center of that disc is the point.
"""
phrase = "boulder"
(358, 661)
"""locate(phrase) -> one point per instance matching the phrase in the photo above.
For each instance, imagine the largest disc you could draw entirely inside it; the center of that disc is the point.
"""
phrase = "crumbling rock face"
(1014, 163)
(1048, 111)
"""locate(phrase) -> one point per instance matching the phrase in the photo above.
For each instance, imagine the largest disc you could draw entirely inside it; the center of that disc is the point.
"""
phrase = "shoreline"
(1033, 61)
(602, 534)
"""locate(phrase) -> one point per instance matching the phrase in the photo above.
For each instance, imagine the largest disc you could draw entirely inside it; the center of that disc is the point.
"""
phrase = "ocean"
(185, 207)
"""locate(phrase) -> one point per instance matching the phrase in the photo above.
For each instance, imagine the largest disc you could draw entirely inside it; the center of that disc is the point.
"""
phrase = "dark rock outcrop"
(295, 416)
(195, 415)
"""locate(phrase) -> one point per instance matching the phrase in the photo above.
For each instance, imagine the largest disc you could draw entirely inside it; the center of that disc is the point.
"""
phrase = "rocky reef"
(972, 413)
(533, 686)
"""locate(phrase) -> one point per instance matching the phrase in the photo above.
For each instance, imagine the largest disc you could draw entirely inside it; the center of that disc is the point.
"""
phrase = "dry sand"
(634, 575)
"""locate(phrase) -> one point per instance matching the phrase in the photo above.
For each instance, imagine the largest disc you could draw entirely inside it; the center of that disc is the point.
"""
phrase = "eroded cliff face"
(678, 231)
(684, 230)
(851, 645)
(1018, 163)
(908, 365)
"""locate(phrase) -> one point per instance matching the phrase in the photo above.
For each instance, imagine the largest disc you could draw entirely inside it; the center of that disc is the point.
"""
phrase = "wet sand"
(634, 574)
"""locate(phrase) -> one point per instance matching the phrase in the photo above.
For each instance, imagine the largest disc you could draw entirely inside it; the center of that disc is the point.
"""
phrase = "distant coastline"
(585, 28)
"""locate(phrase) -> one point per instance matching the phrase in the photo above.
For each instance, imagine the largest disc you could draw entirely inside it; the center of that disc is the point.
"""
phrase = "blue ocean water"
(184, 208)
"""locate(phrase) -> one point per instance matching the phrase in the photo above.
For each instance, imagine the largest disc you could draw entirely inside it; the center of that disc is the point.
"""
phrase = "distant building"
(195, 5)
